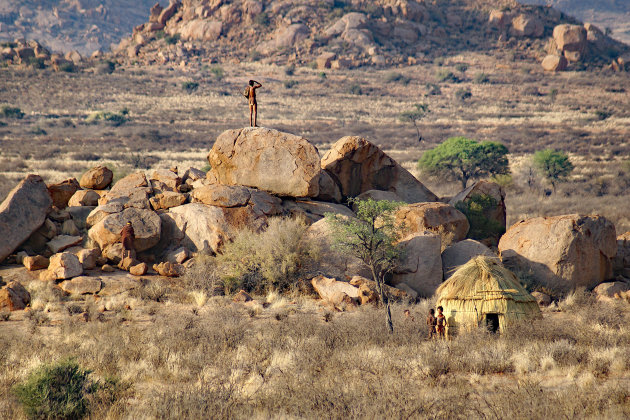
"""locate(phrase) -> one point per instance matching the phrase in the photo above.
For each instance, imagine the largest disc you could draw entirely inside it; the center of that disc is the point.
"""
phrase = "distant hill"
(65, 25)
(613, 14)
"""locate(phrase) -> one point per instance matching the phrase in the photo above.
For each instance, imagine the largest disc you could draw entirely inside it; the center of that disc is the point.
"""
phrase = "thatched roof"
(483, 278)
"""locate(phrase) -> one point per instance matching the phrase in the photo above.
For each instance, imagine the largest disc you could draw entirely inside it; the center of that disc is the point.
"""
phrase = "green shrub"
(289, 70)
(397, 77)
(114, 118)
(56, 391)
(433, 89)
(290, 83)
(602, 114)
(481, 78)
(463, 94)
(38, 131)
(477, 210)
(269, 260)
(262, 19)
(322, 75)
(37, 62)
(446, 75)
(190, 86)
(67, 67)
(217, 72)
(355, 89)
(171, 39)
(11, 112)
(461, 67)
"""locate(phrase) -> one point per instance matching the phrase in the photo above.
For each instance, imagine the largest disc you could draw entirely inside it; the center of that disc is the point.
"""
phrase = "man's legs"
(255, 115)
(251, 115)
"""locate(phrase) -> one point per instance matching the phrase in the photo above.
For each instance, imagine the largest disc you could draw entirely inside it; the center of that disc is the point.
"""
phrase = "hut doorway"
(492, 322)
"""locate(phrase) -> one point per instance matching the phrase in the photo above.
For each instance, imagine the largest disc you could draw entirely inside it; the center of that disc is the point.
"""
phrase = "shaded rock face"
(205, 228)
(313, 211)
(61, 192)
(438, 218)
(421, 268)
(146, 225)
(357, 166)
(270, 160)
(14, 297)
(460, 253)
(22, 213)
(562, 252)
(84, 198)
(554, 62)
(97, 178)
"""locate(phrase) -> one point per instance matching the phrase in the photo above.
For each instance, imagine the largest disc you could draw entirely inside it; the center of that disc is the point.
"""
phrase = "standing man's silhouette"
(253, 105)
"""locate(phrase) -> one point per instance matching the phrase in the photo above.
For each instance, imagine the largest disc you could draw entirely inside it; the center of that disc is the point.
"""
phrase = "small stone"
(139, 269)
(37, 262)
(106, 268)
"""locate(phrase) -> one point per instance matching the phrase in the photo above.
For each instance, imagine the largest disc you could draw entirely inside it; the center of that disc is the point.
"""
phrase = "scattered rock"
(62, 242)
(460, 253)
(139, 269)
(439, 218)
(421, 268)
(270, 160)
(68, 228)
(37, 262)
(88, 257)
(84, 198)
(241, 297)
(166, 200)
(571, 38)
(527, 26)
(168, 178)
(14, 297)
(543, 299)
(106, 268)
(116, 285)
(61, 192)
(334, 291)
(101, 212)
(65, 266)
(168, 269)
(611, 290)
(81, 285)
(126, 263)
(562, 252)
(22, 213)
(222, 195)
(325, 59)
(554, 62)
(178, 256)
(201, 30)
(358, 166)
(368, 291)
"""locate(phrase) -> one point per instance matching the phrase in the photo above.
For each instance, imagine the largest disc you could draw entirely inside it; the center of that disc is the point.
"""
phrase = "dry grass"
(291, 358)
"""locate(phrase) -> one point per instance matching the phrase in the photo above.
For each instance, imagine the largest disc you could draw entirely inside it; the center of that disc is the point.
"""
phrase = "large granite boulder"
(130, 191)
(14, 297)
(357, 166)
(84, 198)
(562, 252)
(64, 265)
(460, 253)
(280, 163)
(571, 40)
(421, 268)
(146, 225)
(22, 213)
(439, 218)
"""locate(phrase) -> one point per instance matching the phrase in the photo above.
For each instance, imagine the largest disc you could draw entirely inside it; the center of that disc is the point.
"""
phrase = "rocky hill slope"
(65, 25)
(352, 33)
(613, 14)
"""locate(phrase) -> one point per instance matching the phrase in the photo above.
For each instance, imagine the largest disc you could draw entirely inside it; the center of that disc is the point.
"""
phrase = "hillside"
(613, 14)
(65, 25)
(349, 34)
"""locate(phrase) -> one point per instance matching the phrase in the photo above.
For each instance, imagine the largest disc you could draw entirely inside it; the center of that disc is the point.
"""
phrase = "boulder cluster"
(32, 53)
(70, 232)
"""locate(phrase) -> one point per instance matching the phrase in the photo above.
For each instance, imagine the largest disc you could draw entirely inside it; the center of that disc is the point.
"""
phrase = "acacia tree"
(461, 159)
(371, 237)
(553, 165)
(414, 116)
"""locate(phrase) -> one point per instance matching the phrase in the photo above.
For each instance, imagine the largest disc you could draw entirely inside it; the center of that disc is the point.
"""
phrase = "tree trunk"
(381, 291)
(464, 182)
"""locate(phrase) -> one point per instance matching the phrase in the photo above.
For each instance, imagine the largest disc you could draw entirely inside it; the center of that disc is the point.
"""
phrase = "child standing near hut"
(431, 323)
(441, 323)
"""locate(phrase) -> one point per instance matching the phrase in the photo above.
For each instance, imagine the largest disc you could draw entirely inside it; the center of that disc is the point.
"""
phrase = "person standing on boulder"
(250, 94)
(127, 237)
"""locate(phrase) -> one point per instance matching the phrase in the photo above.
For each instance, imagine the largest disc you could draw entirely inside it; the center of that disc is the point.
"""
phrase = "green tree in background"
(460, 158)
(554, 165)
(414, 116)
(371, 237)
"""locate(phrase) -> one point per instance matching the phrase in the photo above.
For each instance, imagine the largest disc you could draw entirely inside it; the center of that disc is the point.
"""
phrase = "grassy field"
(172, 353)
(158, 119)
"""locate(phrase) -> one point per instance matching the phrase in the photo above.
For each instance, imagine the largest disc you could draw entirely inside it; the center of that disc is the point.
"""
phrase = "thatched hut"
(484, 293)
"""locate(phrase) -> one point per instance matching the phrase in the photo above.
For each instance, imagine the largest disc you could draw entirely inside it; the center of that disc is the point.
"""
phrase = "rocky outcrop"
(14, 297)
(421, 268)
(571, 41)
(22, 213)
(562, 252)
(36, 262)
(277, 162)
(358, 166)
(438, 218)
(168, 269)
(82, 285)
(527, 26)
